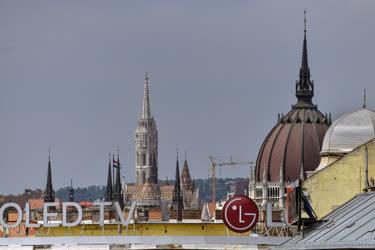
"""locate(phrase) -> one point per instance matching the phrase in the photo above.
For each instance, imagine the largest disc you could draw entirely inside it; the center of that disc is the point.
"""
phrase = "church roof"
(349, 131)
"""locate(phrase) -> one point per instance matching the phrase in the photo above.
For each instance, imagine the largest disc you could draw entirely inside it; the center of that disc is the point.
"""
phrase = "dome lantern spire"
(304, 86)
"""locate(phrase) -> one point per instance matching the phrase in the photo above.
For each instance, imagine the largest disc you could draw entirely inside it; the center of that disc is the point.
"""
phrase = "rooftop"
(352, 225)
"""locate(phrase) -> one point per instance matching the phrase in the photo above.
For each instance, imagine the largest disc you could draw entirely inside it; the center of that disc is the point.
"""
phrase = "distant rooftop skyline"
(72, 74)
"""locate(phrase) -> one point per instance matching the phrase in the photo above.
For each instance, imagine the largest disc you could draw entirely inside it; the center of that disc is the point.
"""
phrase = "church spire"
(146, 142)
(177, 194)
(71, 191)
(304, 86)
(49, 194)
(108, 192)
(118, 194)
(186, 180)
(146, 111)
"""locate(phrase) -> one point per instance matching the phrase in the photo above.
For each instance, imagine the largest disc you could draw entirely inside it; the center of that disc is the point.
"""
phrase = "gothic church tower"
(146, 143)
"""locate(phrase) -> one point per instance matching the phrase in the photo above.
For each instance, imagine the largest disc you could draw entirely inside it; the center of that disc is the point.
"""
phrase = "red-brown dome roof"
(295, 142)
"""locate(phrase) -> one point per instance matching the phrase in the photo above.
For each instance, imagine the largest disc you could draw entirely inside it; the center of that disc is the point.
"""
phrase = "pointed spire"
(186, 180)
(177, 179)
(364, 98)
(108, 192)
(146, 111)
(49, 194)
(177, 194)
(118, 194)
(304, 86)
(305, 64)
(71, 191)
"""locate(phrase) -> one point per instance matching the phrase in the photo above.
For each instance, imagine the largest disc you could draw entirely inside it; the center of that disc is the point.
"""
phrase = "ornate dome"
(348, 132)
(293, 145)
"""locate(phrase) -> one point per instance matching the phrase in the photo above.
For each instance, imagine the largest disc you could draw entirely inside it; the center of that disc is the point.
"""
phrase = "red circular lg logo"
(240, 214)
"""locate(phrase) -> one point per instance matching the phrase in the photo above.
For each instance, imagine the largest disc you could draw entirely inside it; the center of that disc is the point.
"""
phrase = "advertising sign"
(240, 214)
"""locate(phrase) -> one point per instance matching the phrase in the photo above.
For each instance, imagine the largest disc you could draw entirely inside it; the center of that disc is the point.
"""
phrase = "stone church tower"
(146, 143)
(146, 191)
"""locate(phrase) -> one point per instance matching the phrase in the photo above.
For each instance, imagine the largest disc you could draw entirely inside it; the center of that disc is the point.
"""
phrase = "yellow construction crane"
(218, 163)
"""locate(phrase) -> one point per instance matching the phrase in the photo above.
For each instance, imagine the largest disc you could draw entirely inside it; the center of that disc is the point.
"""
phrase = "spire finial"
(177, 151)
(146, 111)
(49, 154)
(364, 98)
(185, 154)
(304, 12)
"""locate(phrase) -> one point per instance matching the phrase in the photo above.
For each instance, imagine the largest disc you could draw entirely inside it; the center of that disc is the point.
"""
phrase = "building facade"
(347, 162)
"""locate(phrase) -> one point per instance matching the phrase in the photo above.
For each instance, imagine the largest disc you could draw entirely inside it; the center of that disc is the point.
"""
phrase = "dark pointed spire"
(364, 98)
(113, 173)
(108, 192)
(304, 86)
(177, 194)
(49, 194)
(118, 194)
(71, 191)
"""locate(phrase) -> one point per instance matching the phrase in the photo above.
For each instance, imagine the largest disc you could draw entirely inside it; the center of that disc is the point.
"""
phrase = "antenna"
(364, 98)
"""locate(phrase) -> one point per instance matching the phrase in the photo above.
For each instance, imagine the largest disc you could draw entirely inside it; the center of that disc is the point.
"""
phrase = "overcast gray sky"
(71, 78)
